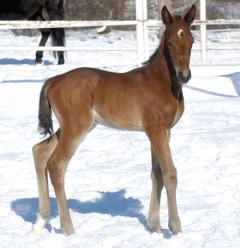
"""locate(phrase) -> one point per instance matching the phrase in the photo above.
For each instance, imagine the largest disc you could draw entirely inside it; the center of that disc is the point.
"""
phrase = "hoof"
(61, 61)
(38, 61)
(37, 229)
(40, 223)
(154, 227)
(69, 232)
(175, 227)
(155, 230)
(68, 229)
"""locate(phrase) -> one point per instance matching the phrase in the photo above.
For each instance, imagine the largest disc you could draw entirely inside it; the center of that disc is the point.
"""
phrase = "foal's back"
(119, 100)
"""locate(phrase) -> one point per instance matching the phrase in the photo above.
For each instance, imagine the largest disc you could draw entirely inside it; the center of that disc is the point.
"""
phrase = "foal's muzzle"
(183, 77)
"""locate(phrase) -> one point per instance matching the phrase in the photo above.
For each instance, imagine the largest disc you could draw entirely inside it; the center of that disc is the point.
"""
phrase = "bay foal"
(148, 99)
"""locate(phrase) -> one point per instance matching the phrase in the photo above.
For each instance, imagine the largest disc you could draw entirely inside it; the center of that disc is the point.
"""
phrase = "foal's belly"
(119, 120)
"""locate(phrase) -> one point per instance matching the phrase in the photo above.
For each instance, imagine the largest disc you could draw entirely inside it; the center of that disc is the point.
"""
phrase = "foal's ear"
(189, 17)
(166, 16)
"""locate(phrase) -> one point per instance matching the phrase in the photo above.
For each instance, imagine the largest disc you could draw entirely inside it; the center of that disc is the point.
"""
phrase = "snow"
(108, 180)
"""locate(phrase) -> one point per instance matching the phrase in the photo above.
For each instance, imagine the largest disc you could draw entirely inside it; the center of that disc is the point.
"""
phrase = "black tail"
(45, 125)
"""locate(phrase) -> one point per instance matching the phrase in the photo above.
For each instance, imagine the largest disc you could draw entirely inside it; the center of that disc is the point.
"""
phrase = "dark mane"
(152, 57)
(157, 52)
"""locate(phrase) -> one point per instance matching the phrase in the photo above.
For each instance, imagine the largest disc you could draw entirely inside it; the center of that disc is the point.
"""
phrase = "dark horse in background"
(37, 10)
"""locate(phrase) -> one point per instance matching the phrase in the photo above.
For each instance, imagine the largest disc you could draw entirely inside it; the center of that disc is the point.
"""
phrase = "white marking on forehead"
(180, 33)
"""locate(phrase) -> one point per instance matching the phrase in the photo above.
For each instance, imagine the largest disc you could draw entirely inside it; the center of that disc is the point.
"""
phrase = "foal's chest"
(178, 112)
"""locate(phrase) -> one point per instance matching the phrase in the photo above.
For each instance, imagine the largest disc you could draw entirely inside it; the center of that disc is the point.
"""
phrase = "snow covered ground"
(108, 180)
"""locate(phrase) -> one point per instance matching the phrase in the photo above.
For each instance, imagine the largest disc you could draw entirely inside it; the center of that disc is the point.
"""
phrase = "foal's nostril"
(189, 76)
(183, 77)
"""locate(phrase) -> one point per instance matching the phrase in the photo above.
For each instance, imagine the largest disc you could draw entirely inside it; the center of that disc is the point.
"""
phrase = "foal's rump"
(69, 95)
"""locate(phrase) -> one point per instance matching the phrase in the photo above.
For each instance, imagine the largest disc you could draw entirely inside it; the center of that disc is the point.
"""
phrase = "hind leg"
(39, 54)
(58, 36)
(55, 10)
(71, 136)
(41, 153)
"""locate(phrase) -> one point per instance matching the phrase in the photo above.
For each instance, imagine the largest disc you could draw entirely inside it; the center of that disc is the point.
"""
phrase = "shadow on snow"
(112, 203)
(10, 61)
(235, 78)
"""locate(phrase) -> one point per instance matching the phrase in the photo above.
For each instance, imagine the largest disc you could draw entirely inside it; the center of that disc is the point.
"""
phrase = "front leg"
(159, 138)
(157, 186)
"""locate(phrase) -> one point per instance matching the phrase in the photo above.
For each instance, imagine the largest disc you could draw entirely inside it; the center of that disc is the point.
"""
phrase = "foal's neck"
(176, 87)
(162, 63)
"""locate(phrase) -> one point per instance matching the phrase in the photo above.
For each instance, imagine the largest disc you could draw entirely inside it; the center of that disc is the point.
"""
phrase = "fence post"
(203, 30)
(142, 30)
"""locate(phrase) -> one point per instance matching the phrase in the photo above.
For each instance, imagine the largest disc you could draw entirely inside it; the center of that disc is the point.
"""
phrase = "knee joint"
(55, 173)
(36, 155)
(170, 178)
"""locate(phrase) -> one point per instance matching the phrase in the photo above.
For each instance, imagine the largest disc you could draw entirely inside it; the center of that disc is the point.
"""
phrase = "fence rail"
(63, 24)
(77, 24)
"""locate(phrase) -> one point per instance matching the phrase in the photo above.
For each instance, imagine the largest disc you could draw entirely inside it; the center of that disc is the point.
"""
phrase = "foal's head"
(178, 42)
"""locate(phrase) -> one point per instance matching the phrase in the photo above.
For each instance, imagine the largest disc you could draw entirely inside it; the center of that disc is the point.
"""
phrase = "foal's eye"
(169, 44)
